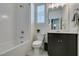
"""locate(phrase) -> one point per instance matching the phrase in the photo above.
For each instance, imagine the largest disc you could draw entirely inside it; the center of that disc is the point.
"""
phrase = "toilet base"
(37, 52)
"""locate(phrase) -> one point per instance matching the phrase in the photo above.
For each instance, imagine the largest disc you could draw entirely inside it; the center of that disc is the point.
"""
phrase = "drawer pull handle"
(60, 41)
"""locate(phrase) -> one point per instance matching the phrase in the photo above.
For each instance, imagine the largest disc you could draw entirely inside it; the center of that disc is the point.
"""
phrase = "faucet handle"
(21, 37)
(22, 32)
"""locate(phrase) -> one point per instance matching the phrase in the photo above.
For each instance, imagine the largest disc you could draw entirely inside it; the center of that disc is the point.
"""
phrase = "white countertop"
(62, 32)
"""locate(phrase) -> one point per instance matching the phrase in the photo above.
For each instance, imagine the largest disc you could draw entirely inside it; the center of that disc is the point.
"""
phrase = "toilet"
(37, 44)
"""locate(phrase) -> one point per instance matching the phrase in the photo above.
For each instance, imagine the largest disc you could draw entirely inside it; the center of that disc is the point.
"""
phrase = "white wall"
(32, 20)
(6, 22)
(65, 18)
(73, 28)
(23, 22)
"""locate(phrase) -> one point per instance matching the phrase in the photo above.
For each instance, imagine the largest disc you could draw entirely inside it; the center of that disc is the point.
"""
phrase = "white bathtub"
(18, 50)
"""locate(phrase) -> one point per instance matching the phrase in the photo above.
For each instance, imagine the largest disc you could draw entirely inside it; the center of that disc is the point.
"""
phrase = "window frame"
(37, 16)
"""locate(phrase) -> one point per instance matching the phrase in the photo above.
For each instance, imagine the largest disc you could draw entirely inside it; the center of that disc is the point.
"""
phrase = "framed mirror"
(55, 17)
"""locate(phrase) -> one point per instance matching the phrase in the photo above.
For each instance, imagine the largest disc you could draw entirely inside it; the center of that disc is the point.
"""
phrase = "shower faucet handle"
(21, 37)
(22, 32)
(21, 41)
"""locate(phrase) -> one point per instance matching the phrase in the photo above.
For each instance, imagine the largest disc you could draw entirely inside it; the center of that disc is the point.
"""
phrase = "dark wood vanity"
(62, 44)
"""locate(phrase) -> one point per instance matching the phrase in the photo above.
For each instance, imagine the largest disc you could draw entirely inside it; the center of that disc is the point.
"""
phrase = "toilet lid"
(37, 42)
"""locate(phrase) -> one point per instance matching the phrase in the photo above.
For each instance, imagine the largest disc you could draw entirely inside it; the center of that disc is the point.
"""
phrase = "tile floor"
(43, 53)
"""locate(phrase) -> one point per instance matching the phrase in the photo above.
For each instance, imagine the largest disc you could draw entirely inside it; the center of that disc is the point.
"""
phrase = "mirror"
(55, 24)
(55, 15)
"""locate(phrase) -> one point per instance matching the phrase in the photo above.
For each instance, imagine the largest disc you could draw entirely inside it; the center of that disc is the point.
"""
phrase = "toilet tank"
(40, 36)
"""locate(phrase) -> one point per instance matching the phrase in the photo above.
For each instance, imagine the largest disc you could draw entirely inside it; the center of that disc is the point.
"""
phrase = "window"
(41, 14)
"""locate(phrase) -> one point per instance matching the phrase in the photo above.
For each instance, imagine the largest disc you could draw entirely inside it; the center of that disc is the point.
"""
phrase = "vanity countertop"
(62, 32)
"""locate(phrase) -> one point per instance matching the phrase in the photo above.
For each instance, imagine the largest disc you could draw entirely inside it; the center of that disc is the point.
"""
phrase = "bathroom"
(57, 19)
(25, 27)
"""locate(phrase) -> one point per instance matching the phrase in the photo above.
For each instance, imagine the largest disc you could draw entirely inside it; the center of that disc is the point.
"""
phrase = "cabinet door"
(71, 43)
(56, 45)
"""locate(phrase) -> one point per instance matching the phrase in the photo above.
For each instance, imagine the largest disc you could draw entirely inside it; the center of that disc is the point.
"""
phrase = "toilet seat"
(37, 43)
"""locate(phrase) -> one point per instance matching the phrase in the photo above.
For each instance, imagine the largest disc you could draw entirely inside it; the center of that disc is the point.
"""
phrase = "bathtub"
(19, 50)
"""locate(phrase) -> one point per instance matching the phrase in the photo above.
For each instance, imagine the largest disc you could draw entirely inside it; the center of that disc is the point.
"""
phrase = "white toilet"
(37, 44)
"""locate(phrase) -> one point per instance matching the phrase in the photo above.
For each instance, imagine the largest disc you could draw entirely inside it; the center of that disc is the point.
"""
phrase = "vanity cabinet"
(62, 44)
